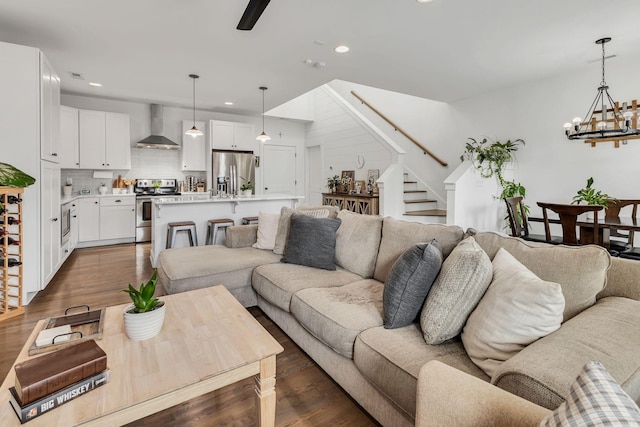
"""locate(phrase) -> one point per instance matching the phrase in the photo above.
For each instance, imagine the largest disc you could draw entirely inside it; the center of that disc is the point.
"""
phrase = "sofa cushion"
(357, 242)
(391, 360)
(267, 228)
(337, 315)
(285, 216)
(517, 309)
(408, 283)
(398, 236)
(580, 270)
(311, 242)
(277, 283)
(463, 279)
(608, 332)
(185, 269)
(595, 399)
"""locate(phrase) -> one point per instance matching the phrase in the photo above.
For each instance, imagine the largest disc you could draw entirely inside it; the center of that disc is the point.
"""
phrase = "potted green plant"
(491, 159)
(332, 183)
(144, 318)
(247, 188)
(12, 177)
(591, 196)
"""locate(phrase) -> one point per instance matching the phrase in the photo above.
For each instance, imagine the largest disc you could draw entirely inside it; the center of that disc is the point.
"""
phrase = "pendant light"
(263, 136)
(598, 125)
(194, 130)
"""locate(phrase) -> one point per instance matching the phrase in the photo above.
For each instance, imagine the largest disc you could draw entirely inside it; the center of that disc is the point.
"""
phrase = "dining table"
(605, 225)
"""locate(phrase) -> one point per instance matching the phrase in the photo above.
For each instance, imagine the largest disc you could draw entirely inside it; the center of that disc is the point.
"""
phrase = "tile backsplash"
(145, 163)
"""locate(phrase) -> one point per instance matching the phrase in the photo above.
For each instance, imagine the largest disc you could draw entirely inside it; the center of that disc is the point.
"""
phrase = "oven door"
(65, 231)
(143, 212)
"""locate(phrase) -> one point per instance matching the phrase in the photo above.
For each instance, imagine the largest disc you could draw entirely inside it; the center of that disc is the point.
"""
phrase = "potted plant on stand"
(144, 318)
(332, 183)
(247, 188)
(591, 196)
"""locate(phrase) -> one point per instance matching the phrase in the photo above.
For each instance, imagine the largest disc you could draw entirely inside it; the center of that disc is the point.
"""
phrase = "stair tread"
(428, 212)
(415, 191)
(420, 201)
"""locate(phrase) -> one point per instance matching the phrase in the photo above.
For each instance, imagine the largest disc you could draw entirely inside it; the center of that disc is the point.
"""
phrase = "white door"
(279, 173)
(117, 141)
(91, 131)
(314, 178)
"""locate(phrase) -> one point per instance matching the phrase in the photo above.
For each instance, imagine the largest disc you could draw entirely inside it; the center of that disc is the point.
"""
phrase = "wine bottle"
(12, 241)
(13, 199)
(10, 220)
(2, 210)
(11, 261)
(3, 232)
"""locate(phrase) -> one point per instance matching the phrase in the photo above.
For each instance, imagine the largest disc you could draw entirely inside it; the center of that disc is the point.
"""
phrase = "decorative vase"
(142, 326)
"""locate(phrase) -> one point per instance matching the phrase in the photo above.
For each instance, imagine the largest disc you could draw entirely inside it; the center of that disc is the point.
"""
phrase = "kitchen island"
(201, 208)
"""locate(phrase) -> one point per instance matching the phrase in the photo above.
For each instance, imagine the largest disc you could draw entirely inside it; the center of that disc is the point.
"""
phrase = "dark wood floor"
(306, 395)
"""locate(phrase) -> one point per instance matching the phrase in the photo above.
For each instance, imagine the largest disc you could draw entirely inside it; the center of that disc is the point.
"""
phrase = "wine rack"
(11, 244)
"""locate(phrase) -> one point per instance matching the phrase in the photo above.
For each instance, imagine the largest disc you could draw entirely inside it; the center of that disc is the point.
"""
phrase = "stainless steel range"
(146, 190)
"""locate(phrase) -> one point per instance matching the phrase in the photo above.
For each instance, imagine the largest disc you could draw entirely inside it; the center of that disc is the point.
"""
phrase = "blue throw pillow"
(311, 241)
(409, 282)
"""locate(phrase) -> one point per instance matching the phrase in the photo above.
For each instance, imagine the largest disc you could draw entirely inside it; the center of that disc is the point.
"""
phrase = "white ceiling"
(143, 50)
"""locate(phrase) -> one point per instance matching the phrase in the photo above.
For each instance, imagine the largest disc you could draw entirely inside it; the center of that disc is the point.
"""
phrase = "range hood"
(157, 138)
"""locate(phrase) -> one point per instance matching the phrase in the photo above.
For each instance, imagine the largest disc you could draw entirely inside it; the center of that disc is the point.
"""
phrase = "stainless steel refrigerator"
(230, 170)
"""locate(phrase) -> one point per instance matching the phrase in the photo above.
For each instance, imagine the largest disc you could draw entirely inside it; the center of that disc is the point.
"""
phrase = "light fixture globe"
(263, 136)
(618, 125)
(194, 132)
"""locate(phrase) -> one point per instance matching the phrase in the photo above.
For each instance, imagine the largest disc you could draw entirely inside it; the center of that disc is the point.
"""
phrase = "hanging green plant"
(12, 177)
(491, 159)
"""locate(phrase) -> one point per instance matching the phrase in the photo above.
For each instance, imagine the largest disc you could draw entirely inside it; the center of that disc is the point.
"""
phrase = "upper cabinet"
(69, 154)
(105, 141)
(232, 136)
(193, 148)
(50, 111)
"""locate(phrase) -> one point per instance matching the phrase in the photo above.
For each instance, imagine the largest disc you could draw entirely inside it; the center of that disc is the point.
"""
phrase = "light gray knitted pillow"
(465, 276)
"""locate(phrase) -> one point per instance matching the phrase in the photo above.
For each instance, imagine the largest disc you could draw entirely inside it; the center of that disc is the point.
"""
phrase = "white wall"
(551, 167)
(343, 139)
(166, 163)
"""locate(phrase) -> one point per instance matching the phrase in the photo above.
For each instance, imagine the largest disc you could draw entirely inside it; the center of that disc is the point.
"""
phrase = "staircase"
(418, 207)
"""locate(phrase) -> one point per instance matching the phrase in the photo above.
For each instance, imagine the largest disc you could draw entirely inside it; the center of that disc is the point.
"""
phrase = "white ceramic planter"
(141, 326)
(247, 193)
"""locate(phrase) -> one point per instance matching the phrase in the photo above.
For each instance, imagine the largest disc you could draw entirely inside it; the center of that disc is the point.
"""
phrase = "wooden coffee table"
(208, 341)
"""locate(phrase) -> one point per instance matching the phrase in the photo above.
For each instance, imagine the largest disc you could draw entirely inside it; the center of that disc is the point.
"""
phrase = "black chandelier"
(619, 125)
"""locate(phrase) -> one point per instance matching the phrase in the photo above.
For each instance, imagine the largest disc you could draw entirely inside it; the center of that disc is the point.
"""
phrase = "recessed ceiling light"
(424, 1)
(95, 84)
(341, 49)
(228, 103)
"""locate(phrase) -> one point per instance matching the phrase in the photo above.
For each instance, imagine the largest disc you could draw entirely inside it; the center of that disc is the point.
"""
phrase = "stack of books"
(51, 380)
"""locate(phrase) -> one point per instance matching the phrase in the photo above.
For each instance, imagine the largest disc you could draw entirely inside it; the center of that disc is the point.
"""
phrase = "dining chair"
(568, 220)
(519, 224)
(625, 246)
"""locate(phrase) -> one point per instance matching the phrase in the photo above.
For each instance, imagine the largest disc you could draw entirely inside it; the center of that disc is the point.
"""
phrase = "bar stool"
(249, 220)
(174, 227)
(213, 225)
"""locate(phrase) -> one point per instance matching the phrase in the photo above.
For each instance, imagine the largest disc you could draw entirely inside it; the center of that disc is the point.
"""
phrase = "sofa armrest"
(623, 279)
(449, 397)
(241, 236)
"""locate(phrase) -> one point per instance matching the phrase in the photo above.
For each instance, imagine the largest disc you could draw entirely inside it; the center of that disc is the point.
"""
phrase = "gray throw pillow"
(408, 283)
(311, 241)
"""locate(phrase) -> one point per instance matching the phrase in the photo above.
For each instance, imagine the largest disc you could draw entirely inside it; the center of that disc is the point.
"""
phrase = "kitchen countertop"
(68, 199)
(205, 198)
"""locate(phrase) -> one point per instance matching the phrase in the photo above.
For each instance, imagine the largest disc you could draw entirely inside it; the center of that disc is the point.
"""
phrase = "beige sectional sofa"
(337, 316)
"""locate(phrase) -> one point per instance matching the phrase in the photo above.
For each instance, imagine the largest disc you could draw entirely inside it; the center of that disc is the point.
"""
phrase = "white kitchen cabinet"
(25, 109)
(232, 136)
(88, 219)
(69, 153)
(50, 221)
(117, 218)
(50, 111)
(105, 141)
(193, 148)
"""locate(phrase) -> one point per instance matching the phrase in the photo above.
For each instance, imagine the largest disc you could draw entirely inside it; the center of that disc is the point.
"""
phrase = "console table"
(359, 203)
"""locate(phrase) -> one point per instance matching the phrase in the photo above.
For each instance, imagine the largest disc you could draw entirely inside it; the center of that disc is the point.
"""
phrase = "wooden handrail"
(397, 128)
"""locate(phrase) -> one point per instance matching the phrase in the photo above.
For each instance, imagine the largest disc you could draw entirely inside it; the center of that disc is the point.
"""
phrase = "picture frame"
(348, 179)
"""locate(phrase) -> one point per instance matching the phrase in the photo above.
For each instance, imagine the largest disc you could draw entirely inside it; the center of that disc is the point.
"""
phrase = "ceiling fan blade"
(251, 14)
